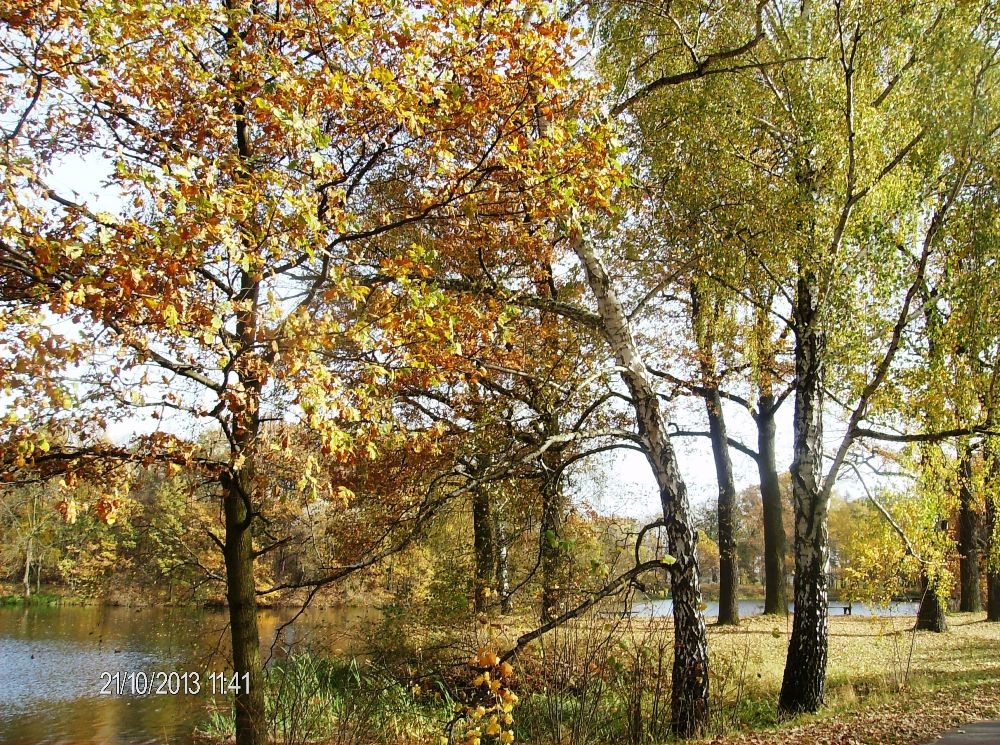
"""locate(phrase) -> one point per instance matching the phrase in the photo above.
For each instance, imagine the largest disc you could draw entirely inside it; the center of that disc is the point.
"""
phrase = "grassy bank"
(602, 681)
(875, 664)
(879, 670)
(44, 598)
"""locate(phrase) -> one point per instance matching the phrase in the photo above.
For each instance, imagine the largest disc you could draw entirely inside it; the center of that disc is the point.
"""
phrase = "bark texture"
(550, 548)
(993, 596)
(241, 593)
(775, 540)
(993, 550)
(930, 614)
(968, 539)
(689, 695)
(729, 613)
(803, 684)
(703, 321)
(503, 566)
(483, 540)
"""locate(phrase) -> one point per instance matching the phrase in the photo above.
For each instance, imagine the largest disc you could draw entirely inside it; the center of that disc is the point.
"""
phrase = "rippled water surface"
(52, 661)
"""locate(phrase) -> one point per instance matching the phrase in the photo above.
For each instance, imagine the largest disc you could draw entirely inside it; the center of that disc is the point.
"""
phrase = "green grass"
(313, 699)
(37, 599)
(599, 681)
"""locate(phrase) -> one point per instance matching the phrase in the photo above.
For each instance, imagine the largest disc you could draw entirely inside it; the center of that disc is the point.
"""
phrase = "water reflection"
(52, 660)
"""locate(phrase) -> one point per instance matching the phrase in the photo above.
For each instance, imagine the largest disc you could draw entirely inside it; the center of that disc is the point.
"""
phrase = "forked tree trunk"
(484, 547)
(930, 614)
(968, 539)
(251, 728)
(775, 541)
(689, 694)
(803, 684)
(729, 613)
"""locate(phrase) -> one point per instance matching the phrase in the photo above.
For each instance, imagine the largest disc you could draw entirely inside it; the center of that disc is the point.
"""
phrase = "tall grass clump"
(312, 699)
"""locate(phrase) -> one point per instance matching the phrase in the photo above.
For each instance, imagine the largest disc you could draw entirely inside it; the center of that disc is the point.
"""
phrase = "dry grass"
(877, 692)
(885, 684)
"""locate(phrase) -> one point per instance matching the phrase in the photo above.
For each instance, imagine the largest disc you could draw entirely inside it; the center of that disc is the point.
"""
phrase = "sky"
(623, 483)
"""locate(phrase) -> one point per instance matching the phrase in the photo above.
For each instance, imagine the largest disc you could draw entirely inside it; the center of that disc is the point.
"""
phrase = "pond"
(55, 661)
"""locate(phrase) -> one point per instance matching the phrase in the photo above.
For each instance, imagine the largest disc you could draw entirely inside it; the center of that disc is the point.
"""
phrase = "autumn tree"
(273, 178)
(850, 209)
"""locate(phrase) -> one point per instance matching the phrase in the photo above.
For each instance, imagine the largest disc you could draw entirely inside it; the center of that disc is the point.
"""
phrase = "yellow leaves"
(170, 315)
(497, 701)
(68, 508)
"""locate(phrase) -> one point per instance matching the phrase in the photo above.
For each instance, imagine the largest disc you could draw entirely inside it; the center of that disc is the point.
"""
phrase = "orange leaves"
(287, 205)
(104, 509)
(68, 509)
(491, 713)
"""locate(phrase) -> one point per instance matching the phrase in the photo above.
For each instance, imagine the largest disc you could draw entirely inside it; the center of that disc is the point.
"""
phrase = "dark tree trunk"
(238, 483)
(803, 684)
(729, 613)
(550, 548)
(484, 544)
(775, 541)
(993, 596)
(993, 551)
(930, 614)
(241, 592)
(689, 693)
(968, 539)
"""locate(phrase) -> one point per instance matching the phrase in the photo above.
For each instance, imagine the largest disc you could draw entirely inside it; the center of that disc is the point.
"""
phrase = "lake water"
(749, 608)
(52, 662)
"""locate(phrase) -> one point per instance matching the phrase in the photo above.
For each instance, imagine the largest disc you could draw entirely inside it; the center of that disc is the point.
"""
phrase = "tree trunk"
(503, 567)
(729, 613)
(993, 550)
(804, 681)
(930, 614)
(484, 546)
(993, 596)
(550, 548)
(689, 693)
(251, 726)
(968, 539)
(775, 541)
(27, 566)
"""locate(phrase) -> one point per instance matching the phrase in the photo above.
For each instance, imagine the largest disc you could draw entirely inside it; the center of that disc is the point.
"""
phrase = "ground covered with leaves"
(886, 685)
